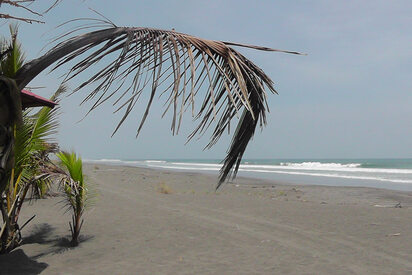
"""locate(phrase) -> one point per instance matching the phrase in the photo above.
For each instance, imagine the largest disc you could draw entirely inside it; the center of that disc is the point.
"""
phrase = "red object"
(29, 99)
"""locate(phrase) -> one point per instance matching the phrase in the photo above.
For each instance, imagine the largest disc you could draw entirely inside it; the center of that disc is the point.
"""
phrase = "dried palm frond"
(136, 58)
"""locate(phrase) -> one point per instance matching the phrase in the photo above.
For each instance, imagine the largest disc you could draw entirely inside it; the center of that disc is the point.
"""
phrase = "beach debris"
(282, 193)
(29, 220)
(393, 235)
(265, 241)
(261, 186)
(398, 205)
(324, 202)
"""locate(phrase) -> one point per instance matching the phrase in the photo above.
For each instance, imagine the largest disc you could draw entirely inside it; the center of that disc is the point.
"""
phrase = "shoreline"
(249, 227)
(324, 174)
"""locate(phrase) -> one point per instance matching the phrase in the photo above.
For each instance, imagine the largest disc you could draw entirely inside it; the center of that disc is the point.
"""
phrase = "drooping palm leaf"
(46, 119)
(35, 136)
(136, 58)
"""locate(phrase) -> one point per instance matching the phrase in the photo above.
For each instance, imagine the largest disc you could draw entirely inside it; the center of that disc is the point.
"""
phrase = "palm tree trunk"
(10, 117)
(10, 232)
(75, 228)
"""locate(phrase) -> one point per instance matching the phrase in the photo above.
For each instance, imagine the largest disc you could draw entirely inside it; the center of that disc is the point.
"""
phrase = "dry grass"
(164, 188)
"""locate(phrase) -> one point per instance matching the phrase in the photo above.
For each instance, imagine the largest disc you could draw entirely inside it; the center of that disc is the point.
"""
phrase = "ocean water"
(393, 174)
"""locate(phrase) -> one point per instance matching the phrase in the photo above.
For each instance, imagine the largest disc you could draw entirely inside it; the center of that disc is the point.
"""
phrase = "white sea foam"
(191, 168)
(331, 175)
(109, 160)
(320, 165)
(332, 168)
(195, 164)
(155, 161)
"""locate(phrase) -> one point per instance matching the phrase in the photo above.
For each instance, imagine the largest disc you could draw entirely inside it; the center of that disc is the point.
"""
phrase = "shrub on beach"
(75, 190)
(164, 188)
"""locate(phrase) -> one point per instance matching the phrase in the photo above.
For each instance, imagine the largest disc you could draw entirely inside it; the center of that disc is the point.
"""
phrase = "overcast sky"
(350, 97)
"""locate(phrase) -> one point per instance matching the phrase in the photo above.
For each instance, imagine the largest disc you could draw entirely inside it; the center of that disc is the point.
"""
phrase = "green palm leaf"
(35, 135)
(14, 58)
(73, 164)
(75, 190)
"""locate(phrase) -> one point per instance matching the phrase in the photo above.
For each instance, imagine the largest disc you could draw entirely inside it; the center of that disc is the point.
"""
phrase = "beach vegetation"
(164, 188)
(74, 188)
(282, 193)
(31, 149)
(32, 144)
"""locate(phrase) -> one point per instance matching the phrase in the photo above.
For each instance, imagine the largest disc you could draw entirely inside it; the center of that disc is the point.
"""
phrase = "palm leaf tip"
(139, 58)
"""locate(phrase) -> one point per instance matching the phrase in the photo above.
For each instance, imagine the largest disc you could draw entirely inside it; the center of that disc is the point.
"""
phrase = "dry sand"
(250, 227)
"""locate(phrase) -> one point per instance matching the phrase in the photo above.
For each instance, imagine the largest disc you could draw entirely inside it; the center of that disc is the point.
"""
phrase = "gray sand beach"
(247, 227)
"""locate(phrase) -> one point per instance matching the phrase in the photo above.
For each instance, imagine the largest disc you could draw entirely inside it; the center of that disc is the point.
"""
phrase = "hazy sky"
(350, 97)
